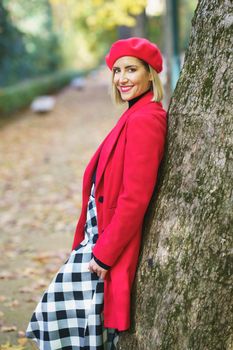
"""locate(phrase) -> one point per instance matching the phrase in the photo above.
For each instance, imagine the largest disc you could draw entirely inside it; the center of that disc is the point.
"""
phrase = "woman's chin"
(126, 98)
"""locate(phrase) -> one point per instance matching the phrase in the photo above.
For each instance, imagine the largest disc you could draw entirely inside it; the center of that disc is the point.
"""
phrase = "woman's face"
(130, 77)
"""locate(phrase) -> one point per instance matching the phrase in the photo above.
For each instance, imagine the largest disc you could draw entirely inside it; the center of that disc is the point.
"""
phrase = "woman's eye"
(116, 71)
(131, 70)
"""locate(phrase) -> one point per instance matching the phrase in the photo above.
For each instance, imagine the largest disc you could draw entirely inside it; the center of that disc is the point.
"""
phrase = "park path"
(41, 166)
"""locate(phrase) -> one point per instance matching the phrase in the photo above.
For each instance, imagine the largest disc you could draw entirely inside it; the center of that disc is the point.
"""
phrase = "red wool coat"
(128, 161)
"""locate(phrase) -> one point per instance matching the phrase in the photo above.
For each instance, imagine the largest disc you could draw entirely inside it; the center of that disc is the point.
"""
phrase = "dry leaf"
(2, 298)
(29, 271)
(22, 341)
(25, 290)
(51, 268)
(8, 346)
(44, 257)
(40, 284)
(13, 303)
(10, 254)
(6, 329)
(7, 275)
(33, 299)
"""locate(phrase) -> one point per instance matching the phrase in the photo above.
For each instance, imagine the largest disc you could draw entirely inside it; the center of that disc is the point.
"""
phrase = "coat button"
(101, 199)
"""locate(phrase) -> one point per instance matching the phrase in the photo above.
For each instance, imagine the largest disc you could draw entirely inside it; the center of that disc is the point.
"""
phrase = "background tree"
(11, 46)
(57, 34)
(29, 44)
(88, 27)
(182, 298)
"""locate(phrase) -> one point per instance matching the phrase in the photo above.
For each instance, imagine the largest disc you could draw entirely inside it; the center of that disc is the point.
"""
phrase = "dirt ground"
(41, 166)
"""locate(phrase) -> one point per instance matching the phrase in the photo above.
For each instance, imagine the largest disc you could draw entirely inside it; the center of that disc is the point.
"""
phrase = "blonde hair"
(156, 86)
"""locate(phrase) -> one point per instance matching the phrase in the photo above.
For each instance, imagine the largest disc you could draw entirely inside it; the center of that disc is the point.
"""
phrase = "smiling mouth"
(125, 88)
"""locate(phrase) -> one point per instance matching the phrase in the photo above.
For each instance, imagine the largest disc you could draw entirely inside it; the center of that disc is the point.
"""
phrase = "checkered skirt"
(69, 315)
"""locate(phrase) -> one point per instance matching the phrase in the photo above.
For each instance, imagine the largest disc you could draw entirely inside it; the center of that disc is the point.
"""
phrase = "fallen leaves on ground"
(12, 304)
(7, 275)
(9, 346)
(22, 341)
(42, 163)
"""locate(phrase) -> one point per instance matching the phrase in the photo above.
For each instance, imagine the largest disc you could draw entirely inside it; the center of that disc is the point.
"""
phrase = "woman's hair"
(156, 85)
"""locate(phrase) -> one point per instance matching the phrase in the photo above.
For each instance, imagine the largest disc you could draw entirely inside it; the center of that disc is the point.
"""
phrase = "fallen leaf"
(33, 299)
(52, 268)
(22, 341)
(6, 329)
(29, 271)
(13, 303)
(44, 257)
(11, 255)
(25, 290)
(9, 346)
(40, 284)
(2, 298)
(7, 275)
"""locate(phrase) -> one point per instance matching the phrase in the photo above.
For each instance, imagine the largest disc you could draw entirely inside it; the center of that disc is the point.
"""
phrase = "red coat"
(129, 158)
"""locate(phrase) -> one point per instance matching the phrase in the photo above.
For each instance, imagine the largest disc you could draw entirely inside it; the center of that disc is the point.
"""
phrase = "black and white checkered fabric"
(69, 315)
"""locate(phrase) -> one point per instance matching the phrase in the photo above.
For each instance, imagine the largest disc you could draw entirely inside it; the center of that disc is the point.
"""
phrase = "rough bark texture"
(182, 296)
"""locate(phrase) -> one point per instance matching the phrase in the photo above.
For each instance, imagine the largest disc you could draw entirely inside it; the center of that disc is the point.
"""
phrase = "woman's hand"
(94, 267)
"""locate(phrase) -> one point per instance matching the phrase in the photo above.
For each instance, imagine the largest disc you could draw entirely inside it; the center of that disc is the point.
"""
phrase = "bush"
(27, 52)
(20, 95)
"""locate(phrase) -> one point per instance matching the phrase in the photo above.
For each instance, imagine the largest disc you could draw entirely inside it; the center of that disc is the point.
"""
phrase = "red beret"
(136, 47)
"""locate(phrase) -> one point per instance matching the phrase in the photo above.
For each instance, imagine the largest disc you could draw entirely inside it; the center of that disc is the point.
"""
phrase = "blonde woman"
(88, 302)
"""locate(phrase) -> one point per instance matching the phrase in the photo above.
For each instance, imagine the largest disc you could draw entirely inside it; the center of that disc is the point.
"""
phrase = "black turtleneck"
(135, 99)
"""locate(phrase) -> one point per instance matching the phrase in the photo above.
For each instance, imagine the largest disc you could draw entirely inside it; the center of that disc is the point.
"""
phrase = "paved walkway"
(41, 166)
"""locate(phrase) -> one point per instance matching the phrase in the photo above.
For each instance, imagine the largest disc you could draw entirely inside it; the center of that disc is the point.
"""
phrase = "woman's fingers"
(95, 268)
(103, 274)
(90, 268)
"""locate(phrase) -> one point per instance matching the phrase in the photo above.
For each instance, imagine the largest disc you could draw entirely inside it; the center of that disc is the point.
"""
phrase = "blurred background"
(55, 111)
(53, 36)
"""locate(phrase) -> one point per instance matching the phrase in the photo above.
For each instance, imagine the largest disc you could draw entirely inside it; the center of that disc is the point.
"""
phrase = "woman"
(88, 302)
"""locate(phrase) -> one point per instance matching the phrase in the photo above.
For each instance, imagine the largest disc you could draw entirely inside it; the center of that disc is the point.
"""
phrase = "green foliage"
(40, 37)
(12, 48)
(186, 10)
(28, 44)
(20, 95)
(102, 14)
(155, 25)
(86, 28)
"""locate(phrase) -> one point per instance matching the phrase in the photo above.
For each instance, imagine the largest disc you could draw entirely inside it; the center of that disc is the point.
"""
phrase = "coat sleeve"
(145, 139)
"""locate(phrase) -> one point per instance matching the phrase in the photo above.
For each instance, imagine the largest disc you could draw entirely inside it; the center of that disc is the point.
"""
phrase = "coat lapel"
(109, 141)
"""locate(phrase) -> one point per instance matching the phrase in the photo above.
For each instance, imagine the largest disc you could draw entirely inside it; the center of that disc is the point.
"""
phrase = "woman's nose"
(123, 78)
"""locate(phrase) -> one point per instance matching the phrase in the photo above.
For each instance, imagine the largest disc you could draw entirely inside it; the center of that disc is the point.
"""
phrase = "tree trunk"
(182, 296)
(140, 29)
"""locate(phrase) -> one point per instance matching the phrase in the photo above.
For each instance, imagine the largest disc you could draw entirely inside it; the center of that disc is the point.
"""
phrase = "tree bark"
(182, 295)
(140, 29)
